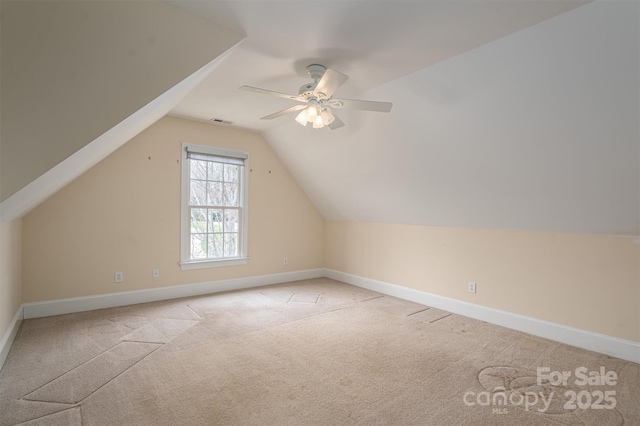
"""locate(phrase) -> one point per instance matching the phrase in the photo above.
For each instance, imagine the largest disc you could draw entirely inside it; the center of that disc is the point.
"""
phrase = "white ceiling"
(515, 115)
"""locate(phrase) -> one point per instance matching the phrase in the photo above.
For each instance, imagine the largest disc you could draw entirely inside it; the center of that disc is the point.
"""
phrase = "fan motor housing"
(315, 71)
(306, 90)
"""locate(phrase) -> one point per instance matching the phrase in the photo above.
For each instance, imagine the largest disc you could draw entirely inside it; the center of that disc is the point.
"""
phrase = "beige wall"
(10, 268)
(124, 215)
(591, 282)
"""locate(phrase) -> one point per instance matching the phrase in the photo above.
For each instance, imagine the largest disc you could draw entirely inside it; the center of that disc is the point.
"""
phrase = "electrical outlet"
(472, 287)
(118, 277)
(285, 261)
(156, 273)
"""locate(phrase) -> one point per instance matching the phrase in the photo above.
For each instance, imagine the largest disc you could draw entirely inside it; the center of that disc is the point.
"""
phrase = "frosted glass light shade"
(318, 123)
(317, 114)
(302, 117)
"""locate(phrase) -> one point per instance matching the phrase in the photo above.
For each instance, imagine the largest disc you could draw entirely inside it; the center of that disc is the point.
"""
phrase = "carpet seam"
(417, 312)
(143, 341)
(53, 414)
(196, 312)
(373, 298)
(24, 398)
(438, 319)
(121, 373)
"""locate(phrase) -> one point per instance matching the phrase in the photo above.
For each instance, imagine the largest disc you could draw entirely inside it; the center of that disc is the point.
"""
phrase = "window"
(214, 207)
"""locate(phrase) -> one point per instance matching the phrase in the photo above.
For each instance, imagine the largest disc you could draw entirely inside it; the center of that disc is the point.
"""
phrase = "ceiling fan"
(317, 99)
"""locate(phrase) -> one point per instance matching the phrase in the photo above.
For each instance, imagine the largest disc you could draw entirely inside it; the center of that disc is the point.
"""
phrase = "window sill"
(202, 264)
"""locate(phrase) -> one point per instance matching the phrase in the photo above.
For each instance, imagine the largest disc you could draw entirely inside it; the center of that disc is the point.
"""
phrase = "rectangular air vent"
(219, 120)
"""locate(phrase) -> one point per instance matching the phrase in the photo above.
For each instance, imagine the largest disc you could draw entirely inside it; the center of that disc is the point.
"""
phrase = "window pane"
(215, 220)
(214, 193)
(216, 245)
(231, 245)
(198, 169)
(231, 173)
(198, 246)
(215, 213)
(198, 195)
(230, 197)
(230, 220)
(215, 171)
(198, 221)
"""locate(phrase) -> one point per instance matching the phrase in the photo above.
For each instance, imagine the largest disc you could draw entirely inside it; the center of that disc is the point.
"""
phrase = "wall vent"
(221, 121)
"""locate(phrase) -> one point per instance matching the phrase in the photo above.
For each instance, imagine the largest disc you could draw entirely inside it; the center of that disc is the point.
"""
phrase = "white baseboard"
(620, 348)
(88, 303)
(10, 335)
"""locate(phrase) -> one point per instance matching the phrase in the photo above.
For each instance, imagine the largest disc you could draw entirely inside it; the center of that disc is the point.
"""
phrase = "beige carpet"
(314, 352)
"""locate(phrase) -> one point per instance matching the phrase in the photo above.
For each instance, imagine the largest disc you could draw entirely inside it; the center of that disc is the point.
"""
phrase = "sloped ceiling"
(516, 115)
(73, 71)
(536, 130)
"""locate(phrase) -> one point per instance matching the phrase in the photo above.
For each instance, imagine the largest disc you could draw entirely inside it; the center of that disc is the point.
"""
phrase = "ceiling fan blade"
(362, 105)
(272, 93)
(329, 83)
(337, 123)
(283, 112)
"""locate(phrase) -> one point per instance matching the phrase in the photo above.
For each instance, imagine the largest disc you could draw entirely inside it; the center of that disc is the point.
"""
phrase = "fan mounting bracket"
(316, 71)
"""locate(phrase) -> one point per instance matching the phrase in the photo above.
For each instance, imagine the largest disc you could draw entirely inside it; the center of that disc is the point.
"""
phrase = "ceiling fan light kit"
(320, 116)
(317, 98)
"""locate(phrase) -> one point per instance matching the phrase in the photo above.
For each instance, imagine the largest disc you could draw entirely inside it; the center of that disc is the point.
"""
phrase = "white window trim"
(185, 262)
